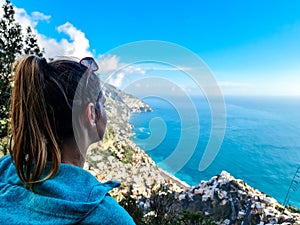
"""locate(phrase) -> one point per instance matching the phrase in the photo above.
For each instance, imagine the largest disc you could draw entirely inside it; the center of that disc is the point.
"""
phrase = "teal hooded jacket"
(73, 196)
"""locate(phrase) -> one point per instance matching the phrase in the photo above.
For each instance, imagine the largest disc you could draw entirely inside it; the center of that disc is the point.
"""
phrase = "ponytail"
(34, 141)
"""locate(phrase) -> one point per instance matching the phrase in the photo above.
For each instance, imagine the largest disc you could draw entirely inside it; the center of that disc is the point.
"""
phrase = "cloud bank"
(77, 44)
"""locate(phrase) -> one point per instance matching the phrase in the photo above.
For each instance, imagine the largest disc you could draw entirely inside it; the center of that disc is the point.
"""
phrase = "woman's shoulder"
(6, 159)
(109, 212)
(7, 171)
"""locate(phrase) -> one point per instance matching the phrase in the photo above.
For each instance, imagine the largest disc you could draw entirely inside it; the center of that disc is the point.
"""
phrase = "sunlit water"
(261, 143)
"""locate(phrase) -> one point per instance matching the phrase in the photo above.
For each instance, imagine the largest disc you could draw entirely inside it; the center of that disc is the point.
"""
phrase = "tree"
(12, 44)
(31, 47)
(195, 218)
(165, 207)
(131, 206)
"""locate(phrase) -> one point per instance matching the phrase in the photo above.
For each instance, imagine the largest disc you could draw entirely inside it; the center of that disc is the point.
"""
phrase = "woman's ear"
(90, 115)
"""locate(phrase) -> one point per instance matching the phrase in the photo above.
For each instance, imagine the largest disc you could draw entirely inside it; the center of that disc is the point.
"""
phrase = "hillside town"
(242, 202)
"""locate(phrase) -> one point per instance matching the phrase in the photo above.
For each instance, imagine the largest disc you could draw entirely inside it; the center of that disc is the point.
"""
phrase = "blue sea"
(261, 144)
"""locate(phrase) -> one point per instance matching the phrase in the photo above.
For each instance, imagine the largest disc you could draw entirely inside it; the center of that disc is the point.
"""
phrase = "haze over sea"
(261, 144)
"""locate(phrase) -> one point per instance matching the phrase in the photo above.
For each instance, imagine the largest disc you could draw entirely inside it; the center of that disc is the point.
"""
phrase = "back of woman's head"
(41, 119)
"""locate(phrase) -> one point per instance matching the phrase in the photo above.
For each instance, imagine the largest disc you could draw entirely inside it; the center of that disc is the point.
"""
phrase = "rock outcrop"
(231, 201)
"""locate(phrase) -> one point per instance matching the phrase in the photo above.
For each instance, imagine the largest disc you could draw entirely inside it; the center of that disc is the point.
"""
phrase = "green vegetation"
(128, 153)
(235, 184)
(163, 208)
(130, 204)
(12, 44)
(293, 209)
(109, 133)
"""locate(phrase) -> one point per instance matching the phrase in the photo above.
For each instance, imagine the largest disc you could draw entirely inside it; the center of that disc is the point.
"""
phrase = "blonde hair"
(33, 139)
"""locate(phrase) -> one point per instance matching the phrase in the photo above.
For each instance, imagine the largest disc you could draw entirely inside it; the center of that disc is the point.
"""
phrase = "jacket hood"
(66, 198)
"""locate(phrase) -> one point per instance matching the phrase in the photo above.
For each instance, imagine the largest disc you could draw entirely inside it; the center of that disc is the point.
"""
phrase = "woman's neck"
(71, 154)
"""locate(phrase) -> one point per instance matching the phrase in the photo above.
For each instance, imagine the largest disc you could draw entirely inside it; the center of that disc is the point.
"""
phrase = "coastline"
(174, 179)
(275, 174)
(127, 162)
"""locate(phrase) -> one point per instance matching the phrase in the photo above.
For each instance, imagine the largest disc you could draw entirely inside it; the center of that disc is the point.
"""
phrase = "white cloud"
(38, 16)
(24, 19)
(112, 64)
(134, 69)
(237, 88)
(108, 63)
(1, 3)
(230, 84)
(76, 44)
(169, 68)
(117, 80)
(116, 72)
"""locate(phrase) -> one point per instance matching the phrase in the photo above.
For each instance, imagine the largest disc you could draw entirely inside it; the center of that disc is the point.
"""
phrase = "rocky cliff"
(117, 157)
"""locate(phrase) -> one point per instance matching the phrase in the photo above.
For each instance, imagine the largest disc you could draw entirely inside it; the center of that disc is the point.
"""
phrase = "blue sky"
(251, 47)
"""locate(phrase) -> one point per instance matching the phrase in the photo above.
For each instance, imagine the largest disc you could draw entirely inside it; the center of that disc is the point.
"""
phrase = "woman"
(57, 112)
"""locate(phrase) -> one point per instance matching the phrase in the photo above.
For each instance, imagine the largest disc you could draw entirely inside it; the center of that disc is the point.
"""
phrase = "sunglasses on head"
(92, 66)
